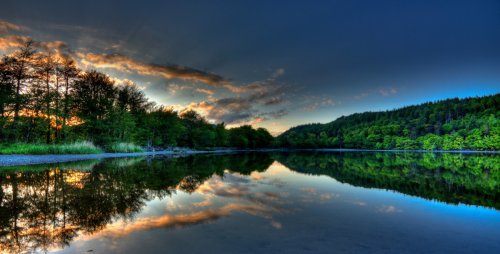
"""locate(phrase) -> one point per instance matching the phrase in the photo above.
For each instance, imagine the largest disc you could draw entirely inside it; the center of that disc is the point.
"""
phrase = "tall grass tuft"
(78, 147)
(83, 147)
(124, 148)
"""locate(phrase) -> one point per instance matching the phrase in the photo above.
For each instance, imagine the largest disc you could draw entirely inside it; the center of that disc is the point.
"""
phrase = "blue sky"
(277, 64)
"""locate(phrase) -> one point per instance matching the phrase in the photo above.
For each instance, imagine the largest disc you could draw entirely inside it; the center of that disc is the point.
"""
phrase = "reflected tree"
(48, 206)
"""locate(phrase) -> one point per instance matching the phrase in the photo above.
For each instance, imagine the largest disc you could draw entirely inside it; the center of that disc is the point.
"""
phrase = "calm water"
(256, 203)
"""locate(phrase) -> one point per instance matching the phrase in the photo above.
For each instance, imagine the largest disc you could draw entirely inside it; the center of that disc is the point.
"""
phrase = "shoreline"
(22, 159)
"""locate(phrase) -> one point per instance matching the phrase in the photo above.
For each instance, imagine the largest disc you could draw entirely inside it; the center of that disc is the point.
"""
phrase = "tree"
(94, 96)
(131, 99)
(21, 65)
(408, 127)
(69, 73)
(7, 93)
(44, 69)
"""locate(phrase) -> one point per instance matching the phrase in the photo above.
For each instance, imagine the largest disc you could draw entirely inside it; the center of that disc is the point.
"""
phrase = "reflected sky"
(274, 209)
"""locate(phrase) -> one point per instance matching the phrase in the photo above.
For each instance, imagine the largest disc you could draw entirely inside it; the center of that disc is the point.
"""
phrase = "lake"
(323, 202)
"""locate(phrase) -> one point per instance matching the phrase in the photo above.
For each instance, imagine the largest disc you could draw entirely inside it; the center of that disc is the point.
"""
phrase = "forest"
(452, 124)
(46, 99)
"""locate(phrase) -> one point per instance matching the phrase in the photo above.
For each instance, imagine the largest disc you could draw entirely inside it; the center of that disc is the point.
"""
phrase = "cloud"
(359, 203)
(382, 91)
(314, 102)
(360, 96)
(388, 209)
(205, 91)
(6, 27)
(15, 41)
(12, 41)
(127, 82)
(175, 88)
(123, 228)
(59, 49)
(127, 64)
(276, 114)
(52, 45)
(387, 91)
(276, 225)
(246, 108)
(234, 111)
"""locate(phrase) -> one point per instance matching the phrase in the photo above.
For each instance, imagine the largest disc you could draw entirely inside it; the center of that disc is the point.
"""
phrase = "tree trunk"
(48, 108)
(66, 108)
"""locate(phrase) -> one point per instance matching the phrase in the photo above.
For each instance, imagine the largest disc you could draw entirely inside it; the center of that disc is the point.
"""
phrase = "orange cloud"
(12, 41)
(205, 91)
(123, 228)
(126, 64)
(59, 49)
(263, 204)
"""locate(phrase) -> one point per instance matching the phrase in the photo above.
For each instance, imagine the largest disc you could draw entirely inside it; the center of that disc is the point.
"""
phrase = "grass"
(84, 165)
(124, 148)
(83, 147)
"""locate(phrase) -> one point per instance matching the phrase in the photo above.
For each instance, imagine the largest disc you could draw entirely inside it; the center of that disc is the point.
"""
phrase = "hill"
(452, 124)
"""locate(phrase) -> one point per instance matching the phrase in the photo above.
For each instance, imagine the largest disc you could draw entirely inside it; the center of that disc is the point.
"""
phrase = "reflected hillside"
(46, 208)
(453, 178)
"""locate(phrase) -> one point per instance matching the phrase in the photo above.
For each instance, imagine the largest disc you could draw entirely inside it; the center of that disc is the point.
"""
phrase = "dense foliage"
(453, 124)
(45, 98)
(450, 177)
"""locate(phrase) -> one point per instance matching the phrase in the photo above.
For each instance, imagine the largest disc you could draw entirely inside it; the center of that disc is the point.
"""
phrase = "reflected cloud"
(312, 195)
(123, 228)
(232, 189)
(328, 196)
(256, 176)
(388, 209)
(309, 190)
(276, 225)
(358, 203)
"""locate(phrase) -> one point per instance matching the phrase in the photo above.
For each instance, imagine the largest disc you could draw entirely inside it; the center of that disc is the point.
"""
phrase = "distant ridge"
(451, 124)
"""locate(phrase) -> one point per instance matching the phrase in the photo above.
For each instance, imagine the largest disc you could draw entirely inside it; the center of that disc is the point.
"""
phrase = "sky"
(274, 64)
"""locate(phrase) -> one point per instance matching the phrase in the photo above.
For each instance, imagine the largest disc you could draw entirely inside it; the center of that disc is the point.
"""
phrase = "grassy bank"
(124, 148)
(74, 148)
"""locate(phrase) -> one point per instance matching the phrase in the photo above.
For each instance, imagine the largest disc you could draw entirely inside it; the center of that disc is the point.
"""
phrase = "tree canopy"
(45, 98)
(453, 124)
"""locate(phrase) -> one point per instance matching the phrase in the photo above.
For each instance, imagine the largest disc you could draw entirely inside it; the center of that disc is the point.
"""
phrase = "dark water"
(256, 203)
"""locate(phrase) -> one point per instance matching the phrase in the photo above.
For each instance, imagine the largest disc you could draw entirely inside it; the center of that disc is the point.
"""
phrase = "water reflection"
(47, 208)
(453, 178)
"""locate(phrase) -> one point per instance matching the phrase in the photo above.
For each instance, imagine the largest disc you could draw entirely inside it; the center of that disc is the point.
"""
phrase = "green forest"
(46, 99)
(452, 124)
